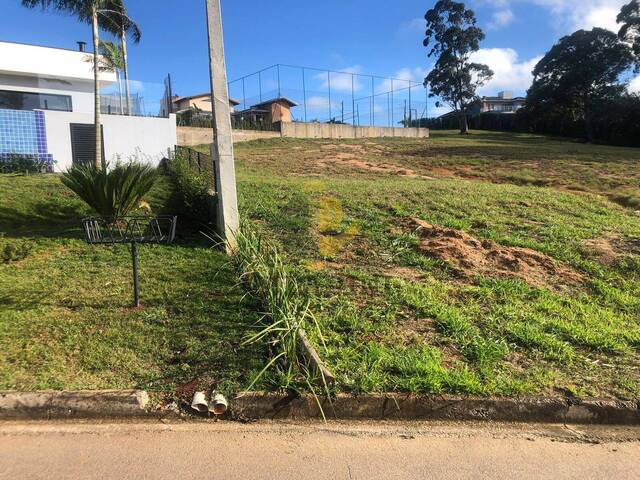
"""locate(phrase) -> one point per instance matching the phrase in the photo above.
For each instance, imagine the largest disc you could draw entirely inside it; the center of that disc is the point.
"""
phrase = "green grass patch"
(65, 319)
(395, 319)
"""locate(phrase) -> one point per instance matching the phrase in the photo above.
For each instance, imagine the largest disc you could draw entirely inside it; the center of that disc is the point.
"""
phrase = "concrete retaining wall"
(326, 130)
(192, 136)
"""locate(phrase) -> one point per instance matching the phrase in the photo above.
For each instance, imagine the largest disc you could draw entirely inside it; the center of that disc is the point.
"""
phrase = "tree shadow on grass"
(209, 323)
(46, 219)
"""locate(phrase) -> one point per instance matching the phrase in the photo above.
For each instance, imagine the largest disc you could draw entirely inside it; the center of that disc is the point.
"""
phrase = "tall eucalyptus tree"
(452, 36)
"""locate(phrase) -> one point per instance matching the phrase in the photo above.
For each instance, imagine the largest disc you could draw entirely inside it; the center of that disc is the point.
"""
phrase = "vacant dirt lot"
(492, 263)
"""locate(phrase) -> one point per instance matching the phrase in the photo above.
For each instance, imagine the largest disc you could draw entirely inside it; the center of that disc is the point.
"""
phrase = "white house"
(47, 110)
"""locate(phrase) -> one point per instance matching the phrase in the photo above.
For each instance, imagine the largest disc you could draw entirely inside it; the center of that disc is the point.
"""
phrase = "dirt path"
(322, 451)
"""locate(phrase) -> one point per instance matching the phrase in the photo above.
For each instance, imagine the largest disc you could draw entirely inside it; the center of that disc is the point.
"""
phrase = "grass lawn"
(400, 314)
(65, 322)
(486, 264)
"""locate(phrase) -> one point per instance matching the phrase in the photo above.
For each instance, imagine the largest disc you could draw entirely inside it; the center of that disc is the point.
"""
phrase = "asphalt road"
(316, 451)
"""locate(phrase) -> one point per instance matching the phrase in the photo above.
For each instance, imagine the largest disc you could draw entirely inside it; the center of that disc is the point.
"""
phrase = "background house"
(266, 113)
(505, 102)
(47, 110)
(200, 102)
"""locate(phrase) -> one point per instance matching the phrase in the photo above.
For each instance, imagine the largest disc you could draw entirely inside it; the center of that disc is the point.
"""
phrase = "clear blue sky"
(382, 37)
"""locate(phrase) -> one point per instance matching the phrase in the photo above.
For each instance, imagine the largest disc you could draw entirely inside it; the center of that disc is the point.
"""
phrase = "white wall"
(30, 68)
(148, 138)
(47, 62)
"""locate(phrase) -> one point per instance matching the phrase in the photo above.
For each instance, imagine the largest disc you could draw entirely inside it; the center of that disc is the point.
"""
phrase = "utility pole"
(227, 217)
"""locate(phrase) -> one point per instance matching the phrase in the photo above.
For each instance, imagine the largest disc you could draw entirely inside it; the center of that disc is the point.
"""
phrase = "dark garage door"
(83, 143)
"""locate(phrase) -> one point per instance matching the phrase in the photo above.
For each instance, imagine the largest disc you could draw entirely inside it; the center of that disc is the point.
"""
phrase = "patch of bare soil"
(406, 273)
(603, 249)
(608, 249)
(470, 257)
(350, 156)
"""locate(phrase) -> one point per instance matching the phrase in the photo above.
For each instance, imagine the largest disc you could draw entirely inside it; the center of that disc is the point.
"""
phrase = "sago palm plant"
(111, 193)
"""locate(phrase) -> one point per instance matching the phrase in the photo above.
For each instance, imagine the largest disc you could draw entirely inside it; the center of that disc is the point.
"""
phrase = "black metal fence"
(195, 118)
(202, 162)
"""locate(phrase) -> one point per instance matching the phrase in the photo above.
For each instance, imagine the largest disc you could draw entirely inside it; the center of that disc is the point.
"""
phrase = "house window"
(34, 101)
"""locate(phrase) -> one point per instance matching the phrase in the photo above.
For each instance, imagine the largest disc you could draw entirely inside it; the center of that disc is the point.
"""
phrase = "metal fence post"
(410, 104)
(404, 117)
(170, 102)
(329, 85)
(426, 103)
(136, 290)
(279, 91)
(353, 101)
(304, 94)
(244, 96)
(392, 102)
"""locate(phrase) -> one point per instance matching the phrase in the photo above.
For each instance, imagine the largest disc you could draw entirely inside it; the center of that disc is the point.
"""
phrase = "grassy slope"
(64, 319)
(394, 319)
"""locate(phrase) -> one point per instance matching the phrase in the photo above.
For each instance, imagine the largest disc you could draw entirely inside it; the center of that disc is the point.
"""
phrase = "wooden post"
(227, 217)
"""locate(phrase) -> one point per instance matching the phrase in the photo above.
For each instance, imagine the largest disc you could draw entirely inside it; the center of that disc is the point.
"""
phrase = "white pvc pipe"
(199, 402)
(218, 404)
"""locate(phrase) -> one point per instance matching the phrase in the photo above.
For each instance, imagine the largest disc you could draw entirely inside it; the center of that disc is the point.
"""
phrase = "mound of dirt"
(470, 257)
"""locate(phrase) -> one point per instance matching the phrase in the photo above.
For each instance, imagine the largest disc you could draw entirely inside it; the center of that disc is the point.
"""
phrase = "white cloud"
(571, 15)
(415, 75)
(634, 85)
(317, 102)
(603, 16)
(501, 18)
(508, 72)
(342, 81)
(322, 102)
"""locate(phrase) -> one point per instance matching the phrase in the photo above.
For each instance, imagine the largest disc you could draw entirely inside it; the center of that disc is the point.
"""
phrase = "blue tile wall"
(23, 132)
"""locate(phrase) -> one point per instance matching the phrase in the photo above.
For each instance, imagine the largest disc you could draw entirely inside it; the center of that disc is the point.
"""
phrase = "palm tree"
(112, 60)
(87, 11)
(120, 24)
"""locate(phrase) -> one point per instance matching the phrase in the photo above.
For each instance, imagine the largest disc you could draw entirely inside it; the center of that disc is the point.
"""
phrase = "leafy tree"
(578, 71)
(629, 17)
(453, 36)
(118, 22)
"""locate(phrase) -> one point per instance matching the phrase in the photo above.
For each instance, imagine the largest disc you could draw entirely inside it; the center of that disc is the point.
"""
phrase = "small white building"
(47, 110)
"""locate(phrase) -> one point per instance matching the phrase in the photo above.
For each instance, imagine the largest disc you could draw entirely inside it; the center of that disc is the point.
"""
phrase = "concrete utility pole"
(227, 219)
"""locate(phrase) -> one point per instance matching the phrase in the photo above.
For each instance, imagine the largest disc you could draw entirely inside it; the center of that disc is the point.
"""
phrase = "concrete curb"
(416, 407)
(105, 404)
(73, 404)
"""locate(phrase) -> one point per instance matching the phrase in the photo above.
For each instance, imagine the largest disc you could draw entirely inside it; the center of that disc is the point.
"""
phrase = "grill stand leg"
(134, 257)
